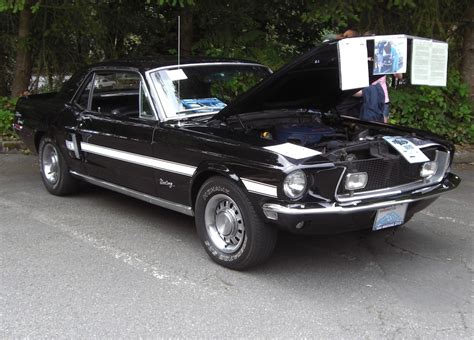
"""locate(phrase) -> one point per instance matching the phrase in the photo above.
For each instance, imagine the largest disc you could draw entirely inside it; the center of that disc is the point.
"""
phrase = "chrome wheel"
(224, 223)
(50, 164)
(231, 231)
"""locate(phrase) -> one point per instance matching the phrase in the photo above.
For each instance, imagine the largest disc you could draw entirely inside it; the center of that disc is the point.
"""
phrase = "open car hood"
(312, 81)
(308, 82)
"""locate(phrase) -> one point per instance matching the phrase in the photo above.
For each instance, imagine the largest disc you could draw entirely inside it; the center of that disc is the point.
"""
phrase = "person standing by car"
(352, 32)
(386, 108)
(383, 80)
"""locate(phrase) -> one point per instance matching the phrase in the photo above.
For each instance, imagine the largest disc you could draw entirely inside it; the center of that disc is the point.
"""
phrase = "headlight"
(428, 169)
(356, 180)
(294, 184)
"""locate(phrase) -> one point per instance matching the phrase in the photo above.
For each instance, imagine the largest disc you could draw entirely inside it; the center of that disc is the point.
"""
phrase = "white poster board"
(439, 64)
(429, 63)
(353, 66)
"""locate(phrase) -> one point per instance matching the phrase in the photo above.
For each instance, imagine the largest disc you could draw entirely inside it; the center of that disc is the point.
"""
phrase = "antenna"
(179, 51)
(179, 40)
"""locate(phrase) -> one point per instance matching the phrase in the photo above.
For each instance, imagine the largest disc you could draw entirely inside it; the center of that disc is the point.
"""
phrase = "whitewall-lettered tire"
(230, 229)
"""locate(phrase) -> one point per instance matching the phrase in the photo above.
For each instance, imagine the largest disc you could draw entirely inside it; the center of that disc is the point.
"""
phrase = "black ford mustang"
(243, 150)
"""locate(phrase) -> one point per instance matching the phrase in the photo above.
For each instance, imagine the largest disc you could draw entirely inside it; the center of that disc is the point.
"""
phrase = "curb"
(12, 147)
(461, 157)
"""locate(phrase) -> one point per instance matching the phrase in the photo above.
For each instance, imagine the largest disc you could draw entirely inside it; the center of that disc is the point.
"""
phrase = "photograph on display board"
(390, 55)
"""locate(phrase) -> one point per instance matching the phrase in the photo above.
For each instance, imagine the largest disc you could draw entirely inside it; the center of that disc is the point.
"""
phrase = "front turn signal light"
(356, 181)
(428, 169)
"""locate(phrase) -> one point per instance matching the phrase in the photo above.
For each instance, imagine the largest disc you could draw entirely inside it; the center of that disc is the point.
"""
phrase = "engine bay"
(337, 140)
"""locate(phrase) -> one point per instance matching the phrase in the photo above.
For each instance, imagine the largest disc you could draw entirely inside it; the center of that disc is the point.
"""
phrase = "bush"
(446, 111)
(7, 112)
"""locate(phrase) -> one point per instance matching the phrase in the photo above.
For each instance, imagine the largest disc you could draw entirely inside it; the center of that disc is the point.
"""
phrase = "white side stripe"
(260, 188)
(155, 163)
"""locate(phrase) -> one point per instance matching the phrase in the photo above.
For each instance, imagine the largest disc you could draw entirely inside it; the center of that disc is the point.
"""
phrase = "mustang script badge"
(166, 183)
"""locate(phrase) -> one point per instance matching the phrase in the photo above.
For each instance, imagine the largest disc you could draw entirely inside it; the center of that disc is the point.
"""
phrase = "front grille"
(385, 172)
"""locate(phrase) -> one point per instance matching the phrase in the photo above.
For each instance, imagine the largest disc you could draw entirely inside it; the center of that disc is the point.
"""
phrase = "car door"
(116, 129)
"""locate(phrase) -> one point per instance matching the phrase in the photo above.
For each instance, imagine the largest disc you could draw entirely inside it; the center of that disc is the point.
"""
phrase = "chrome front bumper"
(273, 210)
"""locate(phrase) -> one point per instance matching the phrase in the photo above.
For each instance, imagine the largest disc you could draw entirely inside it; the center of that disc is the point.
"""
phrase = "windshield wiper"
(199, 108)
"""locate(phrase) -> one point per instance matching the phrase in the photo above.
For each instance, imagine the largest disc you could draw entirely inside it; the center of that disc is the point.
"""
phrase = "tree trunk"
(187, 31)
(3, 70)
(24, 60)
(468, 50)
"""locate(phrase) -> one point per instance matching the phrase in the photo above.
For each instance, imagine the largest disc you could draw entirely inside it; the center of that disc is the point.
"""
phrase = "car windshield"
(203, 89)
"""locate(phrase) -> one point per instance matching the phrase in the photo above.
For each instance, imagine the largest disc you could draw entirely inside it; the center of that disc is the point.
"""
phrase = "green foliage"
(446, 111)
(66, 35)
(180, 3)
(7, 109)
(228, 88)
(271, 31)
(18, 5)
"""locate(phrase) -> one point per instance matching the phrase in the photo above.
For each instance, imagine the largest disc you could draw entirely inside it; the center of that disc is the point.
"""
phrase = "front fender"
(207, 170)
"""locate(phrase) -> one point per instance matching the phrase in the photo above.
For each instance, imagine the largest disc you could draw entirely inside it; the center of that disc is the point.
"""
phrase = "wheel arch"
(206, 171)
(38, 136)
(244, 229)
(40, 133)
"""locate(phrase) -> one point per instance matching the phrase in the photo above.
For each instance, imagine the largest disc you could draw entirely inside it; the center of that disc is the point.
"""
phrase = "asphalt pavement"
(100, 264)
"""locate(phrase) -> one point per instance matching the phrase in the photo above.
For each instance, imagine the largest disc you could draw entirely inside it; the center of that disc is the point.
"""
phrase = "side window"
(116, 93)
(116, 81)
(120, 94)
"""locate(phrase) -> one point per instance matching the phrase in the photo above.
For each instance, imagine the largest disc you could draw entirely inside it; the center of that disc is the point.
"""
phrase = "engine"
(337, 146)
(307, 135)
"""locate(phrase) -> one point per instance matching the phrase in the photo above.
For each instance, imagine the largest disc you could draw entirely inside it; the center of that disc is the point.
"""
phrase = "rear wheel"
(229, 228)
(54, 170)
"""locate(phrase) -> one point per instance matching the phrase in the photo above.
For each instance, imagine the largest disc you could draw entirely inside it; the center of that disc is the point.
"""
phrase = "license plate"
(390, 216)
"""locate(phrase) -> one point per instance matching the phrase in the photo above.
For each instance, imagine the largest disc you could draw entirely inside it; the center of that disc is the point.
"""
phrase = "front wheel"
(229, 228)
(54, 170)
